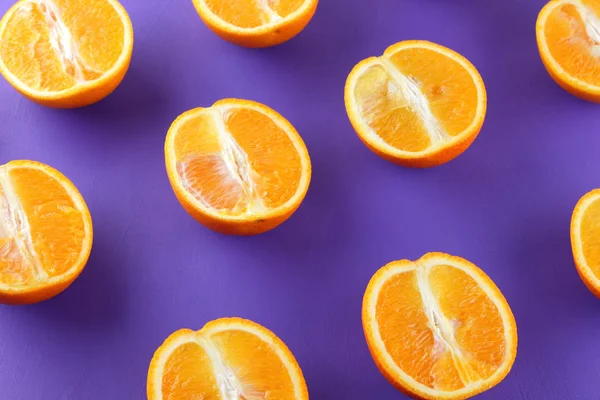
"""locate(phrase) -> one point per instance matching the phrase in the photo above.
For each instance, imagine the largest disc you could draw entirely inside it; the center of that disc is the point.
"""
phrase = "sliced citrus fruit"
(45, 232)
(256, 23)
(230, 358)
(65, 53)
(585, 240)
(438, 328)
(418, 105)
(568, 37)
(238, 167)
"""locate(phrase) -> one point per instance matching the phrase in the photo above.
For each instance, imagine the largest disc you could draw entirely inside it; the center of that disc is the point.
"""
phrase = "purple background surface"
(505, 205)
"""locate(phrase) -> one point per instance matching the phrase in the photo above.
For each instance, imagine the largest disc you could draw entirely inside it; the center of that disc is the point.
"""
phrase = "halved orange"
(256, 23)
(438, 328)
(65, 53)
(230, 358)
(585, 240)
(238, 167)
(418, 105)
(568, 37)
(45, 232)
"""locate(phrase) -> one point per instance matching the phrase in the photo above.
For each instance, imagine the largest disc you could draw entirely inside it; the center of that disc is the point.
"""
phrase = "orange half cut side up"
(438, 328)
(418, 105)
(45, 232)
(65, 53)
(228, 358)
(256, 23)
(585, 240)
(238, 167)
(568, 38)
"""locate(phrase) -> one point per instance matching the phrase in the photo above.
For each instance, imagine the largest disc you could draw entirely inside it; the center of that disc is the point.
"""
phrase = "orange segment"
(420, 104)
(438, 328)
(406, 332)
(242, 13)
(384, 109)
(590, 230)
(228, 358)
(65, 53)
(256, 23)
(568, 36)
(447, 86)
(252, 14)
(29, 28)
(188, 374)
(479, 331)
(258, 371)
(585, 239)
(238, 166)
(45, 232)
(271, 153)
(99, 29)
(56, 225)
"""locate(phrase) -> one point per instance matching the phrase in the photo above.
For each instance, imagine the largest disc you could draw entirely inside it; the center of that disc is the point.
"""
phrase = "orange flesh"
(566, 34)
(590, 237)
(258, 368)
(188, 375)
(236, 161)
(387, 112)
(439, 82)
(53, 243)
(440, 327)
(53, 45)
(253, 13)
(241, 362)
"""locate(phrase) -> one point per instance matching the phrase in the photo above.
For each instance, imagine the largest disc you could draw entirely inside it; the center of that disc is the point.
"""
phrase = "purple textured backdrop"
(505, 205)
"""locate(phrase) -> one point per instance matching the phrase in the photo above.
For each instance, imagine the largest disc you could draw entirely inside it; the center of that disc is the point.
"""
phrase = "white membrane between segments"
(237, 162)
(374, 326)
(62, 40)
(411, 92)
(229, 384)
(591, 23)
(15, 225)
(267, 8)
(443, 329)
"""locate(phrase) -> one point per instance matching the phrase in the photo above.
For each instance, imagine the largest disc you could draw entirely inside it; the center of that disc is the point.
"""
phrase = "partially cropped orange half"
(238, 167)
(65, 53)
(568, 37)
(585, 240)
(418, 105)
(439, 328)
(230, 358)
(256, 23)
(45, 232)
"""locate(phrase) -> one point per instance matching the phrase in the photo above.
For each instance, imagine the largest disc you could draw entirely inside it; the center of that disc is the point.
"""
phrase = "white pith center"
(403, 87)
(62, 40)
(230, 386)
(267, 7)
(15, 225)
(237, 162)
(442, 328)
(591, 23)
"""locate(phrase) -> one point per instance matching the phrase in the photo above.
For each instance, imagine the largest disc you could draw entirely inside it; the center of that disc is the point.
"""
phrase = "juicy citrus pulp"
(256, 23)
(419, 104)
(568, 35)
(438, 328)
(585, 239)
(65, 53)
(229, 358)
(252, 14)
(237, 162)
(45, 232)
